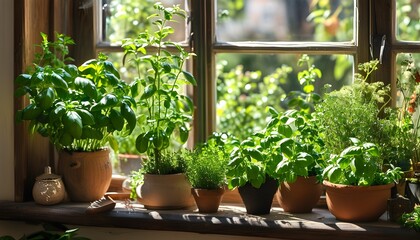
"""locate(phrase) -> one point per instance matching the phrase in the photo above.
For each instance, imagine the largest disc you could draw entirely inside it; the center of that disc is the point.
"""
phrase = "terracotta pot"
(300, 196)
(86, 175)
(258, 201)
(357, 203)
(171, 191)
(208, 200)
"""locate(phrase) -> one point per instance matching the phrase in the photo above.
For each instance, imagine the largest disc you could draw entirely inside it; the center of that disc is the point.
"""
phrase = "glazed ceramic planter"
(171, 191)
(300, 196)
(207, 200)
(357, 203)
(258, 201)
(86, 175)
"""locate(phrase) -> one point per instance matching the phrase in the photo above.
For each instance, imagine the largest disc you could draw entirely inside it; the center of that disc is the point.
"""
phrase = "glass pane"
(127, 18)
(408, 20)
(285, 20)
(247, 84)
(408, 79)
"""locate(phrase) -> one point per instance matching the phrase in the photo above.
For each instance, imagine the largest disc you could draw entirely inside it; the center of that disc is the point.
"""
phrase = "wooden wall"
(33, 152)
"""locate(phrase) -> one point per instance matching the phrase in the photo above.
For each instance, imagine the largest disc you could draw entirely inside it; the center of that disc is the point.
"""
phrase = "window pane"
(285, 20)
(408, 78)
(127, 18)
(247, 84)
(408, 20)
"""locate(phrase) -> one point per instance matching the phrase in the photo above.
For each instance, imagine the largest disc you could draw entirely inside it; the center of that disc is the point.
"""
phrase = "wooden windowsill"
(230, 220)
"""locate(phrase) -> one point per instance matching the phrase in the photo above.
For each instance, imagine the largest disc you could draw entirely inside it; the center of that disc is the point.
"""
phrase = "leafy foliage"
(206, 166)
(70, 234)
(352, 111)
(168, 111)
(412, 220)
(243, 96)
(291, 140)
(359, 165)
(78, 108)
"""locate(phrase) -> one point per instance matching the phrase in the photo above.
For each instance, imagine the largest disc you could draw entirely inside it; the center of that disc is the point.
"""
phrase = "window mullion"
(203, 65)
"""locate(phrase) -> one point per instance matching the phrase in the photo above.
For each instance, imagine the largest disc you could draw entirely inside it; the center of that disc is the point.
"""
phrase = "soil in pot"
(300, 196)
(357, 203)
(208, 200)
(258, 201)
(171, 191)
(86, 175)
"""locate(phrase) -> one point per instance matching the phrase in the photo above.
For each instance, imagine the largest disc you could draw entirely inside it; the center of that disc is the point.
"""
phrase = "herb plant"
(353, 111)
(359, 165)
(168, 112)
(78, 108)
(206, 166)
(291, 140)
(412, 220)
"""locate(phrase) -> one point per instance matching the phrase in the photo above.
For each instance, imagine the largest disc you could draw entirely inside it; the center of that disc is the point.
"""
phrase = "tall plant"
(168, 111)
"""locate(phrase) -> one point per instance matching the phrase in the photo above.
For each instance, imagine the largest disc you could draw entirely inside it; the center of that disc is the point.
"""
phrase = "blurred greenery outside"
(247, 83)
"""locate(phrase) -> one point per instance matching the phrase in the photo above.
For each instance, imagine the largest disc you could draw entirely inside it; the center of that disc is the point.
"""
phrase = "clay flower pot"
(357, 203)
(258, 201)
(86, 175)
(170, 191)
(207, 200)
(300, 196)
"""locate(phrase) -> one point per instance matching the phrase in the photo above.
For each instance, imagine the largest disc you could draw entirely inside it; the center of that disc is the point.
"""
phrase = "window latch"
(374, 43)
(381, 51)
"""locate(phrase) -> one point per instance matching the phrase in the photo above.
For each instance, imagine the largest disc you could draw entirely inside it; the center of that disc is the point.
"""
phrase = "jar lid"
(47, 175)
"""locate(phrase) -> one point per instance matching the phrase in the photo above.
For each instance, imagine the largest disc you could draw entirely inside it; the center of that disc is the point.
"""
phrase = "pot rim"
(337, 185)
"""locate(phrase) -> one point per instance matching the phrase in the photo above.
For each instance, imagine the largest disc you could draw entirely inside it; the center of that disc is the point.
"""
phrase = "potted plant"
(79, 109)
(251, 172)
(206, 171)
(292, 142)
(356, 187)
(168, 112)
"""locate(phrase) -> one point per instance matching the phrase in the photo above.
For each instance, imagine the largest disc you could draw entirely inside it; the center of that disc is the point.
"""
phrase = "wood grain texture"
(230, 220)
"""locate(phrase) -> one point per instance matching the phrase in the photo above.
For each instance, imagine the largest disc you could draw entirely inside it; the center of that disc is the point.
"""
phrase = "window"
(258, 36)
(254, 37)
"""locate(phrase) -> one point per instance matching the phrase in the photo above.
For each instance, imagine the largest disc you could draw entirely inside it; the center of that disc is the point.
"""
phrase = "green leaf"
(272, 111)
(149, 91)
(117, 119)
(142, 143)
(183, 133)
(129, 116)
(45, 98)
(254, 153)
(190, 78)
(109, 66)
(23, 79)
(87, 86)
(58, 81)
(236, 161)
(334, 175)
(92, 133)
(108, 101)
(285, 130)
(66, 139)
(73, 124)
(87, 117)
(31, 112)
(112, 79)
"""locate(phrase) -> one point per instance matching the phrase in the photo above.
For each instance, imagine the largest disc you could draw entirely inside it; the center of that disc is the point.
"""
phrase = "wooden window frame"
(33, 153)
